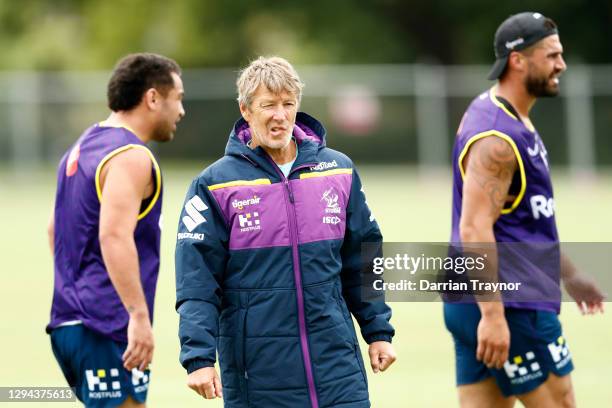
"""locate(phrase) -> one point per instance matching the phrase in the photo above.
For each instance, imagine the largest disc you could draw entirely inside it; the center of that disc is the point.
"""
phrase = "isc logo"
(333, 220)
(540, 205)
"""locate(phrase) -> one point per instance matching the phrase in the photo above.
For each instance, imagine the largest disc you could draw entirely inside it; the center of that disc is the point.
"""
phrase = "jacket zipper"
(298, 282)
(242, 358)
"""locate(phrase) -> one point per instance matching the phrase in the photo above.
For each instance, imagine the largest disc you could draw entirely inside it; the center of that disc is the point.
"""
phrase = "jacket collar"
(308, 132)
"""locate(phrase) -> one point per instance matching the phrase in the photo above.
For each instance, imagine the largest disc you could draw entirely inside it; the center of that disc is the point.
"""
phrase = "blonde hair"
(276, 73)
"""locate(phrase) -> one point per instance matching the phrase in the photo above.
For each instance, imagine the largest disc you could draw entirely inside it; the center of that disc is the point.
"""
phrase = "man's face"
(271, 117)
(544, 66)
(171, 112)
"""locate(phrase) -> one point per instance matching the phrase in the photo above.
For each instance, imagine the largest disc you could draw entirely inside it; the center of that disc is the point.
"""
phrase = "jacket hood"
(307, 131)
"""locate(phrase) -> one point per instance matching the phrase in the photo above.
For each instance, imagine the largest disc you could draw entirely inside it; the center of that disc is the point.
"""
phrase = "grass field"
(408, 208)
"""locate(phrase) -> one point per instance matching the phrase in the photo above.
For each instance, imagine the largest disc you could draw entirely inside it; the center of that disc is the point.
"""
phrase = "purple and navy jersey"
(530, 218)
(83, 291)
(268, 272)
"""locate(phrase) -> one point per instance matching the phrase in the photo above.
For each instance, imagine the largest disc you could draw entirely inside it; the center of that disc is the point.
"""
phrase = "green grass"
(409, 209)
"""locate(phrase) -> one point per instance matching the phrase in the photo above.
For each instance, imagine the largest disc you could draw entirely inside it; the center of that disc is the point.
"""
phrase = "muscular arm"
(125, 181)
(490, 165)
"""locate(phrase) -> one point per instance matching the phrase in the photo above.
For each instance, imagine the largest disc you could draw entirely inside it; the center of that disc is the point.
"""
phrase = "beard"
(163, 132)
(538, 85)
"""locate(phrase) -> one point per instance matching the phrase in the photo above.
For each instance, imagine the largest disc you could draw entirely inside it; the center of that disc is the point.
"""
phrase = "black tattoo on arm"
(492, 164)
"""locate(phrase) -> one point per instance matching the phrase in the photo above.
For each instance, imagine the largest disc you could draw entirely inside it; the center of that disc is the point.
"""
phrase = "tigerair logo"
(331, 201)
(98, 382)
(559, 352)
(324, 165)
(240, 204)
(249, 222)
(542, 206)
(521, 370)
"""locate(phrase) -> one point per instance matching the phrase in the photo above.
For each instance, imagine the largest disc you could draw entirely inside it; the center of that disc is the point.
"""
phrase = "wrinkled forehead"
(264, 93)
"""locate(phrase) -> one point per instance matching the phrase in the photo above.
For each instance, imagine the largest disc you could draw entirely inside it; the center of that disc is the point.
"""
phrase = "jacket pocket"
(240, 351)
(361, 364)
(346, 315)
(348, 321)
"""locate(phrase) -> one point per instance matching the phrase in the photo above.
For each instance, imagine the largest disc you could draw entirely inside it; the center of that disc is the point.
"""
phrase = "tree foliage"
(93, 34)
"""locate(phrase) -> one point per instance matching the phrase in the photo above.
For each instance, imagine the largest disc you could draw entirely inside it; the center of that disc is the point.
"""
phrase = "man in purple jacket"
(269, 259)
(105, 235)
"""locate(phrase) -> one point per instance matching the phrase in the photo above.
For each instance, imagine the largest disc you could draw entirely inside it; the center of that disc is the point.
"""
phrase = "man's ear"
(517, 61)
(152, 99)
(245, 112)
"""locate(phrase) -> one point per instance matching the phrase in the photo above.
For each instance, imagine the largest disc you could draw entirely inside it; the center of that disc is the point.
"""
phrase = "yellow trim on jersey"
(105, 124)
(237, 183)
(326, 173)
(508, 139)
(497, 103)
(155, 165)
(500, 105)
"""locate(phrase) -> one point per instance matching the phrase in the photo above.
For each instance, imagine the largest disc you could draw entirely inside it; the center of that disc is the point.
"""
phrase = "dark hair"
(549, 24)
(134, 74)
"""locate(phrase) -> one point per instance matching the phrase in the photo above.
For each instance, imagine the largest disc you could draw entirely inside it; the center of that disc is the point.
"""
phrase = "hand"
(206, 382)
(493, 340)
(382, 355)
(139, 351)
(584, 291)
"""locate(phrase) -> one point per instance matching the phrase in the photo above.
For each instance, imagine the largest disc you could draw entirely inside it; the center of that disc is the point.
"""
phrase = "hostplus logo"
(240, 204)
(559, 352)
(249, 222)
(140, 380)
(522, 369)
(98, 382)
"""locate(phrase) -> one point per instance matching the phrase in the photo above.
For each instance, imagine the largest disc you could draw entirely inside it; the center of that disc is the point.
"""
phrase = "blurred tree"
(92, 34)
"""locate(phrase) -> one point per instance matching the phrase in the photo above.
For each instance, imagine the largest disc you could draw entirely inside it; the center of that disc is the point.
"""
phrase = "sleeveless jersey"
(529, 252)
(83, 291)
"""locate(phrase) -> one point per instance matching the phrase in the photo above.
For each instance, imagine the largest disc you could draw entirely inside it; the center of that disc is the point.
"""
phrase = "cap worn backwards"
(518, 32)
